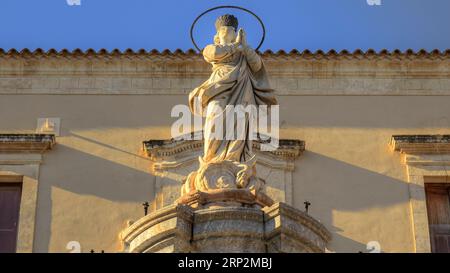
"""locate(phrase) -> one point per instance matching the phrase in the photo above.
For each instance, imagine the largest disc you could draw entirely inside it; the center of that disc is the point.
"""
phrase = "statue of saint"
(238, 78)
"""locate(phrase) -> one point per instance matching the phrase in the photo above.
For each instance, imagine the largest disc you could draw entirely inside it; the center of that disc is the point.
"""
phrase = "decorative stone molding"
(172, 161)
(156, 149)
(20, 158)
(421, 144)
(167, 230)
(26, 143)
(427, 158)
(286, 227)
(292, 73)
(233, 229)
(180, 228)
(235, 196)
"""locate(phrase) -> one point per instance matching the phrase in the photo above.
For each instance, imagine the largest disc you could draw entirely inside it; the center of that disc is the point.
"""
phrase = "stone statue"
(223, 207)
(238, 78)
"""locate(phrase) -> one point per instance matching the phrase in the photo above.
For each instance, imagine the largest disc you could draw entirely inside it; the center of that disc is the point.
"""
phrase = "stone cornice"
(26, 143)
(306, 64)
(158, 150)
(179, 72)
(421, 144)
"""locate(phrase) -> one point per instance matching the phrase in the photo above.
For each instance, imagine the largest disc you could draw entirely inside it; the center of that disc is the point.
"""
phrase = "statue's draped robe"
(238, 78)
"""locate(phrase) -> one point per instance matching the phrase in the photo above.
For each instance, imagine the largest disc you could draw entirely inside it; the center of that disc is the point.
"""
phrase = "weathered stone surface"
(295, 73)
(167, 230)
(18, 143)
(170, 148)
(233, 229)
(421, 144)
(278, 228)
(290, 230)
(202, 199)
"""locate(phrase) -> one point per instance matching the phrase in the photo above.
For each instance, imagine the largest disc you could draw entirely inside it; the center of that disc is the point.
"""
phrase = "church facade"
(85, 140)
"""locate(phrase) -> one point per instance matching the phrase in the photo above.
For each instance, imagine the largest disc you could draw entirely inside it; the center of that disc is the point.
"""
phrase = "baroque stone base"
(180, 228)
(226, 197)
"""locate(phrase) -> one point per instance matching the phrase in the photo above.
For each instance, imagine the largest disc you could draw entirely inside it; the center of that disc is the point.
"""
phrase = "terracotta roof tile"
(319, 54)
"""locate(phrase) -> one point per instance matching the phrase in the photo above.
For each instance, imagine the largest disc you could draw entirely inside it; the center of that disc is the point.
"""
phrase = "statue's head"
(226, 26)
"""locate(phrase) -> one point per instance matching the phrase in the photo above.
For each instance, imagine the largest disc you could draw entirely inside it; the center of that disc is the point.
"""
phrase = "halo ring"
(228, 7)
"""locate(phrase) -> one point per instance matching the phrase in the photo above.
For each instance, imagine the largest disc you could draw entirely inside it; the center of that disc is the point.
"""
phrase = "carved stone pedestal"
(289, 230)
(180, 228)
(226, 198)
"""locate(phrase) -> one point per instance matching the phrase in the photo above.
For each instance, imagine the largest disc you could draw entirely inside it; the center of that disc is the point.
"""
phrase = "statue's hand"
(238, 41)
(238, 38)
(243, 38)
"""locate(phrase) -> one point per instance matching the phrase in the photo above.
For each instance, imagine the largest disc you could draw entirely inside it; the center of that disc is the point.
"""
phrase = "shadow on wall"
(333, 186)
(108, 146)
(85, 174)
(342, 187)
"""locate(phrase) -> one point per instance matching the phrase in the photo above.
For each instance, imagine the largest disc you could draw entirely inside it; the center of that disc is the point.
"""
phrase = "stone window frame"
(20, 159)
(427, 160)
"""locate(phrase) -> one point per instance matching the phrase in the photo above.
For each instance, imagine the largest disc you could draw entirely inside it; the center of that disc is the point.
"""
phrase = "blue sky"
(152, 24)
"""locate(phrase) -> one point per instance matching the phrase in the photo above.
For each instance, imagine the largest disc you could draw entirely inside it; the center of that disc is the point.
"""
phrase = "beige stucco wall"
(96, 177)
